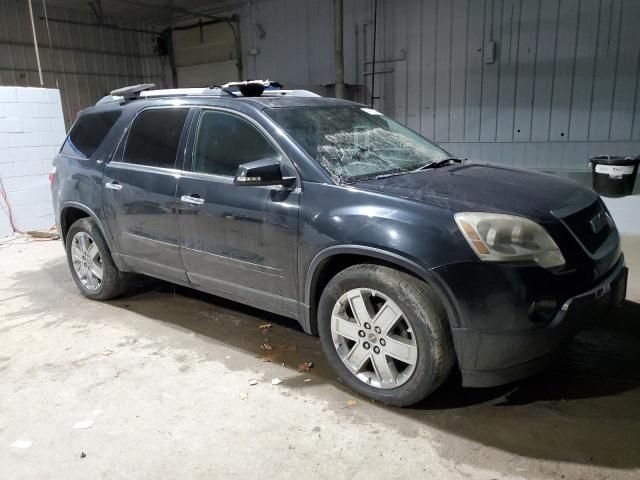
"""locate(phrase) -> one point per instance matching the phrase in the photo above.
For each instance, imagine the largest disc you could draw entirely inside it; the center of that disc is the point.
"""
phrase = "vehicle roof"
(266, 102)
(258, 94)
(243, 104)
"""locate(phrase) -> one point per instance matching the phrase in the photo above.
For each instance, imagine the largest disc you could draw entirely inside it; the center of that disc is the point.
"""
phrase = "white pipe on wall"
(35, 42)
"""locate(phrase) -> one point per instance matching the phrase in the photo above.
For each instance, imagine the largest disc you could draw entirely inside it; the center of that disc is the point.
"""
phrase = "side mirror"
(260, 173)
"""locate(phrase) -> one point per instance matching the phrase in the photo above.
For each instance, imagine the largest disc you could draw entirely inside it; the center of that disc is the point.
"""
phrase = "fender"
(429, 276)
(105, 233)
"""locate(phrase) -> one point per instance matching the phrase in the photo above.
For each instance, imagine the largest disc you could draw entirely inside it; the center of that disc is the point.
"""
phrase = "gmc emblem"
(598, 222)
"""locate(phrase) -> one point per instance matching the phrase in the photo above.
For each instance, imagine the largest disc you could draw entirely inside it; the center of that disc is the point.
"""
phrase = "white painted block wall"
(31, 132)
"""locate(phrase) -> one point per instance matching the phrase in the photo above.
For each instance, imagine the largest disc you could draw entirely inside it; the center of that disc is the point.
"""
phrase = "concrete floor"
(162, 377)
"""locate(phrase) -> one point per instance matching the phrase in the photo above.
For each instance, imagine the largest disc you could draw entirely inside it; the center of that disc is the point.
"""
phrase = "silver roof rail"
(133, 90)
(125, 94)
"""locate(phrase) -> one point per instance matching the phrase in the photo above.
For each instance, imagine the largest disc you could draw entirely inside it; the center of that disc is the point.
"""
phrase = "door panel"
(242, 241)
(140, 193)
(143, 213)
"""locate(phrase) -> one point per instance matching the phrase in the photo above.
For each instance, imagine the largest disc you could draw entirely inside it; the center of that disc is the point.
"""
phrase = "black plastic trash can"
(614, 176)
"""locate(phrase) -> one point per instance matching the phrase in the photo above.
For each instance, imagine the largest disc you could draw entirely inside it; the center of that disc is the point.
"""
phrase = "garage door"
(207, 74)
(205, 55)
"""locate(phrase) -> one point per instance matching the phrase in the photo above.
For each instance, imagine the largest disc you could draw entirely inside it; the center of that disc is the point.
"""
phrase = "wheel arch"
(332, 260)
(72, 211)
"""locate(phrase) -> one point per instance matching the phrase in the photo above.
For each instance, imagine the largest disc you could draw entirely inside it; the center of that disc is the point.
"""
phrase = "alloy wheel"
(87, 261)
(373, 338)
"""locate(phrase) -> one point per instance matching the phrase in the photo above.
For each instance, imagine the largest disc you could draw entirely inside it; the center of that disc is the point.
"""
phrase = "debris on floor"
(253, 382)
(351, 403)
(305, 367)
(51, 234)
(82, 455)
(266, 346)
(265, 326)
(82, 424)
(22, 444)
(244, 396)
(276, 381)
(268, 358)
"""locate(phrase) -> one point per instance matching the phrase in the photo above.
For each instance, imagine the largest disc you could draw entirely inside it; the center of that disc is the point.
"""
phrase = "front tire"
(385, 333)
(90, 262)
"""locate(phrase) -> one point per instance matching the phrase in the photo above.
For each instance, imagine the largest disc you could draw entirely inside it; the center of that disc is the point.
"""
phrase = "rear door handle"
(194, 200)
(113, 186)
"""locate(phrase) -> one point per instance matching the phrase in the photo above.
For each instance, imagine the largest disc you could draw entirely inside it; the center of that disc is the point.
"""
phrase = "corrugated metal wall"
(85, 62)
(563, 84)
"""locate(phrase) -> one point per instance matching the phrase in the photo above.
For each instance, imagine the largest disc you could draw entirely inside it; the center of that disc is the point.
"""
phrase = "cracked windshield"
(354, 143)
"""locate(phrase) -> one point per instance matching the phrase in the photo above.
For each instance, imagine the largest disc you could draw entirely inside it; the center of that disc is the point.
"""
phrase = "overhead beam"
(108, 26)
(13, 43)
(172, 9)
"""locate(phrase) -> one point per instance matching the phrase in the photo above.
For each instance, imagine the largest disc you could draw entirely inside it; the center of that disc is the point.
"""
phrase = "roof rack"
(132, 91)
(230, 89)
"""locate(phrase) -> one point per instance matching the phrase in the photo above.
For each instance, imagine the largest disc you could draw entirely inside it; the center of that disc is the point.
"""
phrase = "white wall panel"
(31, 132)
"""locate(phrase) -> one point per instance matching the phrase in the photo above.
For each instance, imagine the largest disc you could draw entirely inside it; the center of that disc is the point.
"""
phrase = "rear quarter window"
(88, 132)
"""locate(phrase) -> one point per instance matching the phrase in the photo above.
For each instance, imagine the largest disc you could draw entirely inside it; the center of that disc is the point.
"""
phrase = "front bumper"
(495, 357)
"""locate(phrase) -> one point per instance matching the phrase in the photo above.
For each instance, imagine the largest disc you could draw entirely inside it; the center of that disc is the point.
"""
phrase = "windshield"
(356, 143)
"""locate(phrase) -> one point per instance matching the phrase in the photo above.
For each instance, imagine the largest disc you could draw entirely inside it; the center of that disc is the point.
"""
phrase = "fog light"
(543, 310)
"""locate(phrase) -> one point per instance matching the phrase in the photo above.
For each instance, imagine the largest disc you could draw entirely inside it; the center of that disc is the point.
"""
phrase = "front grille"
(580, 224)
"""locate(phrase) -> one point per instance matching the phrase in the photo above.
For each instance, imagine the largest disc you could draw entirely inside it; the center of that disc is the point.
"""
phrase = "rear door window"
(88, 132)
(154, 137)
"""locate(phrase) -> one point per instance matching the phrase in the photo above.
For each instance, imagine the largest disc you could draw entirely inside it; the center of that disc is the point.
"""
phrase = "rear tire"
(90, 262)
(397, 348)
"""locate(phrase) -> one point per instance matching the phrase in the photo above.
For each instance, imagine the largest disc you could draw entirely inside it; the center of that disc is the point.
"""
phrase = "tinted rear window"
(154, 137)
(88, 133)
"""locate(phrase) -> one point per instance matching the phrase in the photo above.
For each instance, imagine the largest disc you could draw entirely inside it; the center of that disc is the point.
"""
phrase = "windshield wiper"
(392, 174)
(439, 163)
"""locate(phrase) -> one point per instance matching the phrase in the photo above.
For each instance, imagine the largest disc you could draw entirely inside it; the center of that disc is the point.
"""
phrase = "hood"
(474, 186)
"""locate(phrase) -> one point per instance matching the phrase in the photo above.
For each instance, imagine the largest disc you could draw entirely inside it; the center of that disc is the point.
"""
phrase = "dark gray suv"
(407, 262)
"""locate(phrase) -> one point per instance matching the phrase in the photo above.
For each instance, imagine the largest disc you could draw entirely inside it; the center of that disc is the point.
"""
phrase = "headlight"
(497, 237)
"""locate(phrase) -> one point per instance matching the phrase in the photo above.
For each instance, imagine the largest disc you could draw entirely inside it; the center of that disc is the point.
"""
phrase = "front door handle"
(192, 199)
(113, 186)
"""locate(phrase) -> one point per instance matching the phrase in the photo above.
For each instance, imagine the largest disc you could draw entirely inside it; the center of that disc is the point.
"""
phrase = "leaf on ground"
(352, 403)
(266, 346)
(305, 367)
(265, 326)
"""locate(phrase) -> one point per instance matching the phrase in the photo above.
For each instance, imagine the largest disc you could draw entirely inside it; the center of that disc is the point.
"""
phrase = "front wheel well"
(68, 217)
(330, 267)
